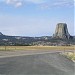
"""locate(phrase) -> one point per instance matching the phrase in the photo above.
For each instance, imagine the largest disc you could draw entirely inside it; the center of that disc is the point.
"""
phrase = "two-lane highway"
(37, 64)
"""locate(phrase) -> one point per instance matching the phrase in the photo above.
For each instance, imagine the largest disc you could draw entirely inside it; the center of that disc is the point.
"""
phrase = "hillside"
(28, 41)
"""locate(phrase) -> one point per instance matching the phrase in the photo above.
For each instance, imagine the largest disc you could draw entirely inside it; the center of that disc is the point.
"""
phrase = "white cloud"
(42, 3)
(11, 1)
(30, 1)
(36, 1)
(63, 3)
(57, 3)
(16, 3)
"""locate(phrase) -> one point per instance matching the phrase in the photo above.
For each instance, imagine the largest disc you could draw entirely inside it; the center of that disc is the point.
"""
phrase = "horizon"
(35, 18)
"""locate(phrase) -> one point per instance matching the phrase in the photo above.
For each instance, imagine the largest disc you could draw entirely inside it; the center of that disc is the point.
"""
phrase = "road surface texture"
(37, 64)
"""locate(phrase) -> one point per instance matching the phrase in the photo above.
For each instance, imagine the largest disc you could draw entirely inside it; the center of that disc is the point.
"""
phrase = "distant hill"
(28, 41)
(60, 37)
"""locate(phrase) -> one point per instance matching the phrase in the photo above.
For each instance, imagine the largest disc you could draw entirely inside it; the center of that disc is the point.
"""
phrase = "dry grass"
(3, 48)
(70, 55)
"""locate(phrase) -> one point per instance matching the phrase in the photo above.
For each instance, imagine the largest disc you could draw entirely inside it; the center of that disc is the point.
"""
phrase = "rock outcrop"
(1, 33)
(61, 31)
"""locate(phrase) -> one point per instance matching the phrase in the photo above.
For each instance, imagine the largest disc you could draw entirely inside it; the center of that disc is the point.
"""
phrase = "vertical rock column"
(61, 31)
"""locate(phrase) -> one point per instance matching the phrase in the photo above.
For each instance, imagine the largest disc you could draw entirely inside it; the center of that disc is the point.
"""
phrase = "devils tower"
(61, 31)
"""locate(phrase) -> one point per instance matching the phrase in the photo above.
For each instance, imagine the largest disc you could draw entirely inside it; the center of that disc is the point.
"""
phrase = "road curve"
(13, 53)
(37, 64)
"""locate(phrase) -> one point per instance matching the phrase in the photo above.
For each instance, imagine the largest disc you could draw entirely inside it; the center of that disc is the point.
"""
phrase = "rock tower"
(61, 31)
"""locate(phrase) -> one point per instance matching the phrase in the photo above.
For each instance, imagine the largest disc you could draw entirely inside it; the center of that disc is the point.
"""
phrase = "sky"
(35, 17)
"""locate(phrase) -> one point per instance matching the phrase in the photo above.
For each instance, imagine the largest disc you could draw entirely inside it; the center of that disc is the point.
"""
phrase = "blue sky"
(35, 17)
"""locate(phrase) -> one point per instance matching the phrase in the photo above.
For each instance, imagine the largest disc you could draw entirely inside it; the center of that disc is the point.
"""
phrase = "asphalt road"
(38, 64)
(4, 54)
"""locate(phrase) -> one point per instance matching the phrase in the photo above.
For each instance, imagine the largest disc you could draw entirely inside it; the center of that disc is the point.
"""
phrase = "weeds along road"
(37, 64)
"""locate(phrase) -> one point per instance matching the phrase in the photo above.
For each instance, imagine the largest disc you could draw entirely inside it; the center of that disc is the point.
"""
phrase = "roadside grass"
(70, 55)
(11, 48)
